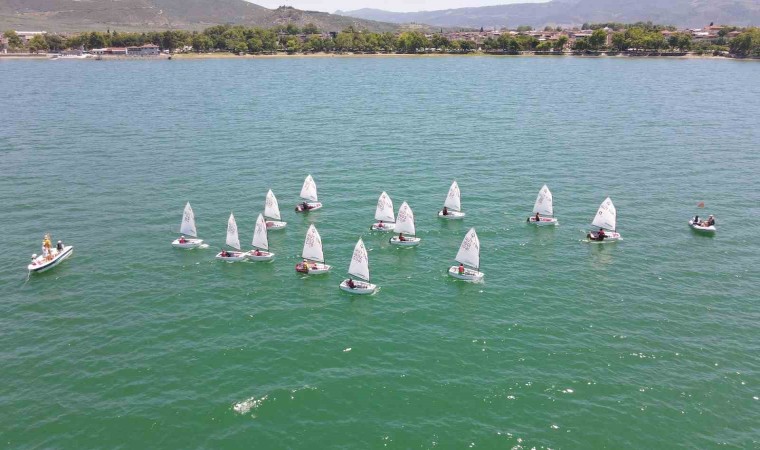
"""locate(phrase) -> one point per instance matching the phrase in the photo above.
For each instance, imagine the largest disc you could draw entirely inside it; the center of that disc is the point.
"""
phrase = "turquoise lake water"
(652, 342)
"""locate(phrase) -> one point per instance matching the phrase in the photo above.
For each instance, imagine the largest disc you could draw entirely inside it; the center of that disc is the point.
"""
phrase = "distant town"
(643, 38)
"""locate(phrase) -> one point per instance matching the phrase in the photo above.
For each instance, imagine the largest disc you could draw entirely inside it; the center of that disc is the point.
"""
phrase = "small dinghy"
(384, 214)
(606, 220)
(313, 258)
(232, 241)
(543, 209)
(359, 268)
(469, 258)
(272, 213)
(452, 207)
(50, 256)
(405, 224)
(187, 229)
(705, 226)
(260, 242)
(309, 194)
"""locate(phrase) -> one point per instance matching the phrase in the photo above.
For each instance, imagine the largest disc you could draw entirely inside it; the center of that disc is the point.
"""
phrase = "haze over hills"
(126, 15)
(683, 13)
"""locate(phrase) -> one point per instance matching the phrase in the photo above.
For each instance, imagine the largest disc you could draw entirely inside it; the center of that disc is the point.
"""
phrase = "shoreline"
(225, 55)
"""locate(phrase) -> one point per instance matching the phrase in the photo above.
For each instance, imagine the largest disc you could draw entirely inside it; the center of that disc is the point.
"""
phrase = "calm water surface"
(648, 343)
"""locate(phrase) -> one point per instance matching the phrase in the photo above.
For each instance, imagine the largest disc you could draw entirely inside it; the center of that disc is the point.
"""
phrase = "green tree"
(293, 45)
(524, 28)
(544, 46)
(560, 43)
(619, 42)
(55, 42)
(292, 29)
(37, 43)
(412, 42)
(490, 43)
(440, 41)
(466, 46)
(98, 40)
(344, 41)
(680, 41)
(14, 41)
(255, 44)
(581, 44)
(202, 43)
(310, 28)
(598, 39)
(507, 43)
(746, 43)
(388, 42)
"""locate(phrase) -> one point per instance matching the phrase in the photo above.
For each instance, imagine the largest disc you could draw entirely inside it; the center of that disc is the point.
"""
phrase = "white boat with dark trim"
(188, 229)
(705, 226)
(606, 220)
(405, 225)
(309, 194)
(359, 268)
(452, 206)
(272, 213)
(384, 214)
(468, 257)
(313, 257)
(260, 242)
(543, 209)
(232, 241)
(50, 257)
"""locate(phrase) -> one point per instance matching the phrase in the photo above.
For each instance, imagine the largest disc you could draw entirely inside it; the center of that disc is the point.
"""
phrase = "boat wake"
(246, 406)
(203, 246)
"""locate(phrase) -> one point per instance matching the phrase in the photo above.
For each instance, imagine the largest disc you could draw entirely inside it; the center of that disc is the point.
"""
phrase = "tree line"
(294, 39)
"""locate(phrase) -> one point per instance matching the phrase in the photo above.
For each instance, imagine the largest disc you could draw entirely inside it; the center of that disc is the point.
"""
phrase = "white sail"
(469, 251)
(232, 233)
(309, 189)
(260, 234)
(405, 220)
(188, 222)
(606, 216)
(271, 208)
(454, 198)
(312, 246)
(384, 209)
(359, 266)
(544, 203)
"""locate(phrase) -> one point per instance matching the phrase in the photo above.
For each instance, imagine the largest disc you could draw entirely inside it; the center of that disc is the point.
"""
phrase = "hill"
(136, 15)
(683, 13)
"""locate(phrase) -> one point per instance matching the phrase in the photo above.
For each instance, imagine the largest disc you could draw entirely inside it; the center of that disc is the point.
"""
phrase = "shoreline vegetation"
(606, 39)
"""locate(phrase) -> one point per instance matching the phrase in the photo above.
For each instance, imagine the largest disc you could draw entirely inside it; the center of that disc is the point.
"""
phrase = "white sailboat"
(188, 229)
(232, 241)
(50, 256)
(543, 209)
(272, 212)
(260, 242)
(469, 258)
(384, 214)
(606, 220)
(405, 225)
(309, 194)
(452, 206)
(359, 268)
(313, 258)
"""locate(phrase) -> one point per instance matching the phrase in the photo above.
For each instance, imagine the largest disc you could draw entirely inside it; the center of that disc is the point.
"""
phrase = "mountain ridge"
(148, 15)
(683, 13)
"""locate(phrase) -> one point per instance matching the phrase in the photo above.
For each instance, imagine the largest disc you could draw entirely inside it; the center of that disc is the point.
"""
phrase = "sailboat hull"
(698, 227)
(233, 256)
(262, 256)
(407, 242)
(610, 236)
(360, 287)
(386, 226)
(543, 221)
(41, 265)
(275, 225)
(310, 206)
(451, 215)
(312, 268)
(468, 275)
(189, 243)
